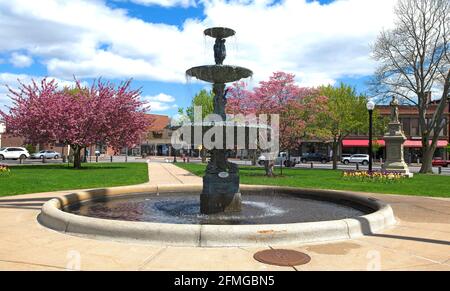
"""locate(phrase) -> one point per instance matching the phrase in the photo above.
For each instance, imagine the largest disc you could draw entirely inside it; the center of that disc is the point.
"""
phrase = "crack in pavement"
(33, 264)
(152, 257)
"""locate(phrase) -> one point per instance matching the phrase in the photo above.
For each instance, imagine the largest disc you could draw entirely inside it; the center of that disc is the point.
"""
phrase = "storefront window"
(415, 127)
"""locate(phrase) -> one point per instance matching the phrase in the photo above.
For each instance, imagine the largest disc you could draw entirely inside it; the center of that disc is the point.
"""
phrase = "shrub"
(374, 176)
(4, 171)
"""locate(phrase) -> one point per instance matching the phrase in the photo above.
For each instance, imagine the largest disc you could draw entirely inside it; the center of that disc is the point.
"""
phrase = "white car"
(13, 153)
(356, 159)
(46, 154)
(282, 158)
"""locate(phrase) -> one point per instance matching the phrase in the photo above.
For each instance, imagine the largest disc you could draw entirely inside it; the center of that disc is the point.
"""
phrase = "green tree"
(345, 114)
(205, 100)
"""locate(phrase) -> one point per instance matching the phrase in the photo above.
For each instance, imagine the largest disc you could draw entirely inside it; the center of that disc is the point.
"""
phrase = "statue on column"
(394, 110)
(394, 140)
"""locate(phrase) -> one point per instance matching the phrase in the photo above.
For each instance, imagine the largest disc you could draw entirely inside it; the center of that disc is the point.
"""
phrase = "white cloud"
(160, 102)
(20, 60)
(156, 106)
(166, 3)
(160, 98)
(319, 43)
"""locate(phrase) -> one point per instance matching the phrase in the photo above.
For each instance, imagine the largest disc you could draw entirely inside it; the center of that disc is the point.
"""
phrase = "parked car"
(13, 153)
(282, 158)
(343, 156)
(46, 154)
(356, 159)
(315, 157)
(440, 162)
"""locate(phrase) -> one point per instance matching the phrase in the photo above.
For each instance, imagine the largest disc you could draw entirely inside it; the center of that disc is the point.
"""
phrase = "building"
(409, 117)
(156, 141)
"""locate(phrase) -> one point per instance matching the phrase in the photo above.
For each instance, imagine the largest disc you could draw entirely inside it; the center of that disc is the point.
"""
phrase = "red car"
(439, 162)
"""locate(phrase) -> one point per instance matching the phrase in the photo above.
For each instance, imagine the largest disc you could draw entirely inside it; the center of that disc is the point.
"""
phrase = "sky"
(155, 41)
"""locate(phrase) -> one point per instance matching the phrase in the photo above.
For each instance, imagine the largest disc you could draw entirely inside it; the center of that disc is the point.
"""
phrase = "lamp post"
(2, 130)
(370, 108)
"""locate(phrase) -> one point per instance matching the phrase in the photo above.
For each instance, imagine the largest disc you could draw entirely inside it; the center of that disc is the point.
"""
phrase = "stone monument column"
(394, 139)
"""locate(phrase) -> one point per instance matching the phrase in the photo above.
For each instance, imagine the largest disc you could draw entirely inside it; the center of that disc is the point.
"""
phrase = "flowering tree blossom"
(79, 116)
(297, 107)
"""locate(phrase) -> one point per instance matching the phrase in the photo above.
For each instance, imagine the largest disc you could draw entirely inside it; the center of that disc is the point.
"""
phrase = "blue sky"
(155, 41)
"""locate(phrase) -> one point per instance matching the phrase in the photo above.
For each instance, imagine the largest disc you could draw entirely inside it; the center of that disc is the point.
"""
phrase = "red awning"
(361, 143)
(418, 144)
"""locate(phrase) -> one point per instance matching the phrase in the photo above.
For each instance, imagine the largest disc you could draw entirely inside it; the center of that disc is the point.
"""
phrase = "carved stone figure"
(220, 100)
(394, 110)
(220, 52)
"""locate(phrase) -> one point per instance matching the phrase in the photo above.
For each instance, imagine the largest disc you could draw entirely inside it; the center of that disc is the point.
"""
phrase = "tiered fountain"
(172, 214)
(221, 181)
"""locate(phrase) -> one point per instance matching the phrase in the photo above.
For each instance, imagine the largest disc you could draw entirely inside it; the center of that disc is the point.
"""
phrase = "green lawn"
(420, 185)
(43, 178)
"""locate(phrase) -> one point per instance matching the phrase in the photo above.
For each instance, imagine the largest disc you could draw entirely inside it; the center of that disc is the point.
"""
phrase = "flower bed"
(4, 171)
(374, 176)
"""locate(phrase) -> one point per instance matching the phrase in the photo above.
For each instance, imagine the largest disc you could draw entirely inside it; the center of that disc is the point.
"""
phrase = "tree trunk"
(76, 157)
(335, 154)
(254, 157)
(427, 159)
(268, 166)
(203, 154)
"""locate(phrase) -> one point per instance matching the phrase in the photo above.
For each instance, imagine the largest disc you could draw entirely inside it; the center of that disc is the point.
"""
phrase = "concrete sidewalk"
(421, 241)
(169, 174)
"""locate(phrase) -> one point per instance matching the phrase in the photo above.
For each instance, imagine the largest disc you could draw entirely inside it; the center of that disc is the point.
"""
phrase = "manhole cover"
(281, 257)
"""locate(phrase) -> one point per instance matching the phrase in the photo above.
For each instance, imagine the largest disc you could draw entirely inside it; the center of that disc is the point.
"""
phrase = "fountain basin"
(213, 235)
(219, 74)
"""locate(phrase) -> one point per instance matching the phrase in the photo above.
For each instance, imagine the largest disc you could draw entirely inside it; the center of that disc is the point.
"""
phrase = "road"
(120, 159)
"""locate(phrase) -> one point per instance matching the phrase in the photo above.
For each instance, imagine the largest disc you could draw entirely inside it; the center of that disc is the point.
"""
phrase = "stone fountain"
(170, 214)
(221, 181)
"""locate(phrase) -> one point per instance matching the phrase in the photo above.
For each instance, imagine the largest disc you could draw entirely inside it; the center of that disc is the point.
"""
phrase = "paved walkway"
(166, 174)
(421, 241)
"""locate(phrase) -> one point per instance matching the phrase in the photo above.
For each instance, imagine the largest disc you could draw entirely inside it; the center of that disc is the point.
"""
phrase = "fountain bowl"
(219, 32)
(219, 74)
(55, 217)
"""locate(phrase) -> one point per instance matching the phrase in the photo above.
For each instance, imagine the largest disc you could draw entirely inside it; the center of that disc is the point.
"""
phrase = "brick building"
(409, 117)
(358, 143)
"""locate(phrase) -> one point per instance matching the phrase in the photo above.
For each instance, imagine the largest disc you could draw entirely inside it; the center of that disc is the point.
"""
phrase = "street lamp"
(2, 130)
(370, 108)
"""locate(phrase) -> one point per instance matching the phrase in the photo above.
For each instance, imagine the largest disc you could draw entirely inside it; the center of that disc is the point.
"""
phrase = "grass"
(420, 185)
(45, 178)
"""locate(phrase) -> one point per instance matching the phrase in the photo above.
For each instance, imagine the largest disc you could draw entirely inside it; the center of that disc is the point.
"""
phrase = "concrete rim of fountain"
(53, 217)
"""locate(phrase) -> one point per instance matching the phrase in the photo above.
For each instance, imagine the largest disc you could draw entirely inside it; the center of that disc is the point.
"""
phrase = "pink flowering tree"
(79, 116)
(297, 107)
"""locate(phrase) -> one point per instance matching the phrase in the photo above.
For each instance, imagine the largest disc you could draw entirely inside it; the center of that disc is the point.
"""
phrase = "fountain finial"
(220, 34)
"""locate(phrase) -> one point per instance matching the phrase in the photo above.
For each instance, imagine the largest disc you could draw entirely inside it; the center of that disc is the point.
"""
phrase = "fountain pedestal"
(220, 194)
(221, 181)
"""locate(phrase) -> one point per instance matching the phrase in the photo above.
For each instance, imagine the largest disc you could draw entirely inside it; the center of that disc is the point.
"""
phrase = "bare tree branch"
(414, 59)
